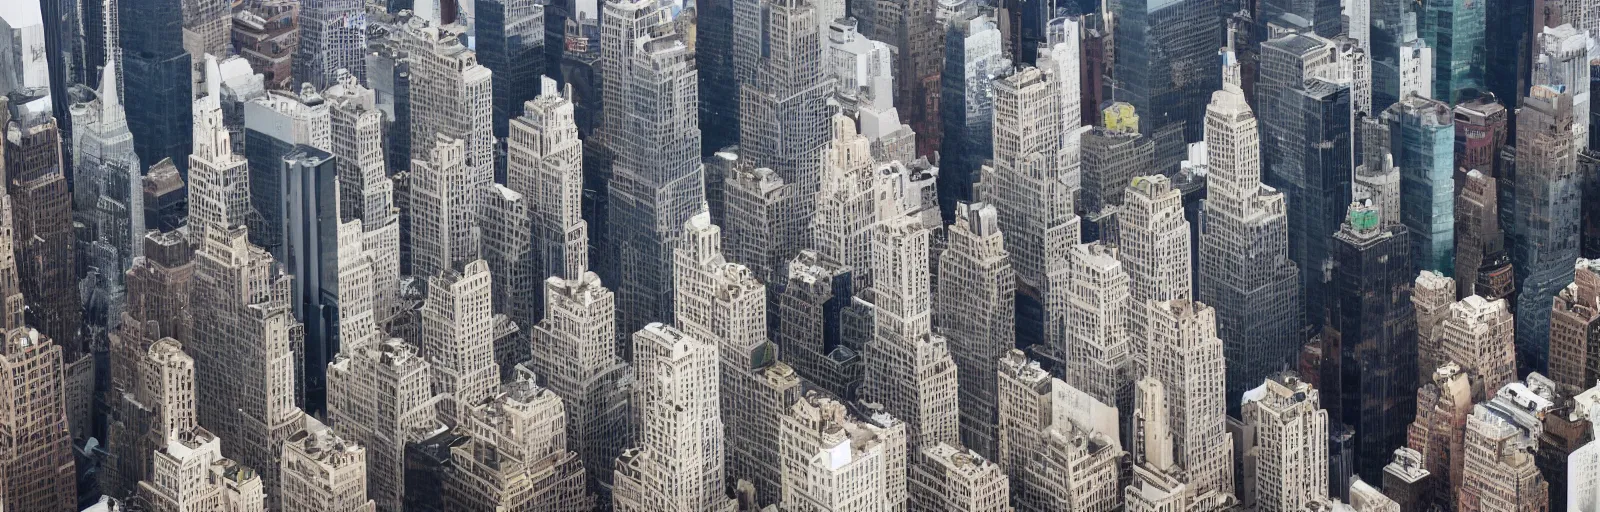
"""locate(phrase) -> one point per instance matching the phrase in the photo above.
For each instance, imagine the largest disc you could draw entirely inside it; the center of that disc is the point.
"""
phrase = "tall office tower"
(1479, 240)
(240, 86)
(625, 22)
(1165, 55)
(656, 182)
(458, 338)
(1305, 120)
(207, 28)
(1455, 30)
(1559, 56)
(835, 461)
(1186, 356)
(814, 309)
(1416, 66)
(1509, 50)
(1422, 138)
(575, 353)
(1257, 299)
(450, 94)
(1481, 131)
(109, 192)
(1432, 295)
(310, 256)
(847, 206)
(1110, 160)
(677, 463)
(1153, 246)
(333, 36)
(159, 293)
(1582, 487)
(908, 368)
(755, 203)
(715, 40)
(42, 229)
(972, 55)
(189, 472)
(64, 57)
(1061, 60)
(724, 304)
(1499, 473)
(380, 395)
(545, 165)
(1545, 216)
(948, 478)
(324, 473)
(38, 461)
(507, 245)
(1370, 337)
(1026, 184)
(365, 190)
(164, 398)
(157, 80)
(783, 111)
(1477, 335)
(1404, 480)
(1321, 16)
(1286, 444)
(1096, 300)
(11, 298)
(974, 307)
(444, 220)
(275, 124)
(911, 27)
(1575, 331)
(509, 36)
(1058, 445)
(517, 457)
(267, 35)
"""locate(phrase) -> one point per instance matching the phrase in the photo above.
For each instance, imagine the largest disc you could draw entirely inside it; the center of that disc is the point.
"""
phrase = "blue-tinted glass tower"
(157, 81)
(1455, 31)
(1422, 141)
(1166, 67)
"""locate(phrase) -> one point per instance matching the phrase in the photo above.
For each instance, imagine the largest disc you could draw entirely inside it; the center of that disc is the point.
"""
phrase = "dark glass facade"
(1166, 67)
(157, 80)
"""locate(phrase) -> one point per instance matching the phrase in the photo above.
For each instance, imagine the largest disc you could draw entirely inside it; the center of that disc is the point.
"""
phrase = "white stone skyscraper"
(444, 215)
(1187, 358)
(575, 353)
(1061, 59)
(365, 190)
(1095, 294)
(723, 303)
(458, 338)
(678, 461)
(784, 112)
(380, 395)
(545, 164)
(950, 479)
(835, 461)
(1561, 56)
(974, 307)
(1479, 336)
(244, 339)
(451, 95)
(1245, 271)
(908, 368)
(1027, 170)
(324, 473)
(847, 205)
(109, 192)
(333, 36)
(1060, 446)
(1153, 246)
(656, 182)
(517, 457)
(1286, 445)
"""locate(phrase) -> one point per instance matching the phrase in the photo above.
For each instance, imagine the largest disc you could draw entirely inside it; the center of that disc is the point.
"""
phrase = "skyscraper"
(458, 338)
(1477, 335)
(444, 232)
(813, 311)
(157, 80)
(1499, 471)
(311, 247)
(1165, 55)
(1479, 240)
(365, 190)
(1481, 132)
(1422, 140)
(1545, 216)
(1257, 299)
(1575, 331)
(1455, 30)
(1154, 250)
(656, 184)
(975, 308)
(1310, 163)
(1186, 357)
(677, 463)
(109, 192)
(517, 458)
(324, 473)
(43, 231)
(379, 420)
(575, 352)
(911, 27)
(1286, 444)
(952, 479)
(1437, 434)
(510, 42)
(333, 36)
(1059, 445)
(545, 165)
(275, 124)
(186, 468)
(450, 93)
(836, 460)
(1369, 338)
(1095, 330)
(38, 462)
(972, 59)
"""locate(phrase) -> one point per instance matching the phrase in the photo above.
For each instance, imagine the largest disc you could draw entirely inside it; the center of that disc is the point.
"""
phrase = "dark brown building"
(43, 232)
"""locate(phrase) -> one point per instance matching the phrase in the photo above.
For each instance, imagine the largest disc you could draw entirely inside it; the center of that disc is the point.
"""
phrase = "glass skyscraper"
(1455, 31)
(1166, 67)
(1422, 140)
(158, 81)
